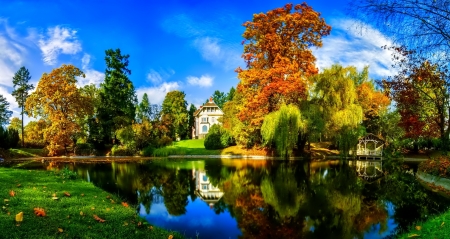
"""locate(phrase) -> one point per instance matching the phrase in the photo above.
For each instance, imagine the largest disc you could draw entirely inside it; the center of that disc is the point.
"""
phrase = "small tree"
(5, 113)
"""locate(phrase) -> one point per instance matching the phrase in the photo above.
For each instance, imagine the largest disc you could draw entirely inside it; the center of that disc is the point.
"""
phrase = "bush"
(164, 141)
(84, 149)
(148, 151)
(9, 138)
(436, 166)
(121, 150)
(218, 138)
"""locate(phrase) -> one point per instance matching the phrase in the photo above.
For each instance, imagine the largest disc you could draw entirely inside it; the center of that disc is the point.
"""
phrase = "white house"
(205, 117)
(205, 189)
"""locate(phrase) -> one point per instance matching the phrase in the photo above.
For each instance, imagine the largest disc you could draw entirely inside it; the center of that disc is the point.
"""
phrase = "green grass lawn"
(436, 227)
(68, 216)
(186, 147)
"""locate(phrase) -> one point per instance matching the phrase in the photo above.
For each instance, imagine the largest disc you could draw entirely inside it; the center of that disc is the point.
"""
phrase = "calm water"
(232, 198)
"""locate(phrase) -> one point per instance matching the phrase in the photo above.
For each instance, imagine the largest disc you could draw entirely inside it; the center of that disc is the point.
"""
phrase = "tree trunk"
(23, 142)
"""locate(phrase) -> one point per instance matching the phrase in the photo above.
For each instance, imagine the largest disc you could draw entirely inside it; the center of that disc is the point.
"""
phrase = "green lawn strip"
(34, 189)
(436, 227)
(26, 153)
(186, 147)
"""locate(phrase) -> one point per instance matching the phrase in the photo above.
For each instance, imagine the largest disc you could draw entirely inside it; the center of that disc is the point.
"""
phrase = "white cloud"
(202, 81)
(154, 77)
(223, 55)
(11, 58)
(91, 76)
(157, 94)
(59, 40)
(348, 45)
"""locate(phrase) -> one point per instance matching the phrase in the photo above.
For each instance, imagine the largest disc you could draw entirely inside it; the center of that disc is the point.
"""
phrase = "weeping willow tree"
(281, 128)
(335, 93)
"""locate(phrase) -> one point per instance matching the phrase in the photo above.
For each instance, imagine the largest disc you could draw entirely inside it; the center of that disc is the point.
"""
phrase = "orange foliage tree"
(279, 61)
(58, 100)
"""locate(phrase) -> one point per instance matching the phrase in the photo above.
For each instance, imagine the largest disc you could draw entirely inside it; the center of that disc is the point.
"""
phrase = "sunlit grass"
(196, 147)
(435, 227)
(27, 153)
(67, 217)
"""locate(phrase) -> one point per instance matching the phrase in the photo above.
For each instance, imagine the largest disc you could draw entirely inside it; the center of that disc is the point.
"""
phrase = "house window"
(205, 186)
(204, 129)
(213, 119)
(205, 178)
(208, 110)
(204, 119)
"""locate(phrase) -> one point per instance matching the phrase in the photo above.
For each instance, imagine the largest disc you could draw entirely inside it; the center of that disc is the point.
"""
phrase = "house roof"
(208, 104)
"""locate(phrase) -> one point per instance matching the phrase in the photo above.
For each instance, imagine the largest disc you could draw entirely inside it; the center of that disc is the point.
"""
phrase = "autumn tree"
(16, 124)
(421, 25)
(174, 110)
(34, 133)
(58, 100)
(421, 91)
(117, 95)
(5, 113)
(279, 60)
(21, 89)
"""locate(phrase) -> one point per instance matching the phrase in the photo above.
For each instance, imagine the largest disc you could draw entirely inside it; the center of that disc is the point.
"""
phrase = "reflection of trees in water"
(175, 192)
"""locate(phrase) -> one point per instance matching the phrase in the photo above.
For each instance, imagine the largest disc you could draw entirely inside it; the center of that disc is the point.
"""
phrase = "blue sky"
(193, 46)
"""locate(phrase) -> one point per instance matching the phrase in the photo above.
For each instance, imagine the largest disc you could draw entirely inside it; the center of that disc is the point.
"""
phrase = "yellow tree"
(58, 100)
(279, 60)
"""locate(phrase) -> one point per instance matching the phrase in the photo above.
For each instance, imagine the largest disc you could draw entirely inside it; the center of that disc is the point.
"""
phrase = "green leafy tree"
(191, 120)
(174, 107)
(282, 128)
(117, 95)
(230, 94)
(5, 113)
(21, 89)
(144, 109)
(219, 98)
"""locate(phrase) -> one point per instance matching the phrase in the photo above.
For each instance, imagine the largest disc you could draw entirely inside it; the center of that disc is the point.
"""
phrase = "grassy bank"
(68, 216)
(436, 227)
(196, 147)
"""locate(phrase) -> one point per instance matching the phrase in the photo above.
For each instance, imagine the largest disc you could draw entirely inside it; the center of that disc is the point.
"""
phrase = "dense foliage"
(218, 138)
(439, 166)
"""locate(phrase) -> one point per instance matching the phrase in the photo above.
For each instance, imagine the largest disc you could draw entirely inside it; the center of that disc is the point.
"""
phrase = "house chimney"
(210, 100)
(201, 106)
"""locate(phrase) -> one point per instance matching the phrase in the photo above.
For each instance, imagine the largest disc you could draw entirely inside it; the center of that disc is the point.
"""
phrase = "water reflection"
(267, 199)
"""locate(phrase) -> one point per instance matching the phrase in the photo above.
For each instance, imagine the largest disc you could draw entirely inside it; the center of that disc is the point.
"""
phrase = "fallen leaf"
(81, 213)
(60, 230)
(170, 237)
(55, 198)
(82, 194)
(92, 208)
(19, 217)
(125, 223)
(67, 194)
(98, 219)
(413, 235)
(124, 204)
(150, 227)
(40, 212)
(112, 201)
(12, 193)
(6, 200)
(442, 224)
(18, 185)
(108, 197)
(139, 224)
(418, 228)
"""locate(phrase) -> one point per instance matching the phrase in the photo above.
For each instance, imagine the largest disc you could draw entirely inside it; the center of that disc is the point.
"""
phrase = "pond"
(233, 198)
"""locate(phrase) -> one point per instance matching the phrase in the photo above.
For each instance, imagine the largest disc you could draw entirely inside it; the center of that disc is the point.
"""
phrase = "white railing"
(376, 152)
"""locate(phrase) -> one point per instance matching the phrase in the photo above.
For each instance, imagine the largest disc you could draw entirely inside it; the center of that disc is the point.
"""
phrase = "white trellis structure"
(369, 169)
(370, 147)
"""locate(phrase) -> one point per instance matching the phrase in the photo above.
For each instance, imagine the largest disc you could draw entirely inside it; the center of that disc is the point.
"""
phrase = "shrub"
(164, 141)
(148, 151)
(121, 150)
(218, 138)
(84, 149)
